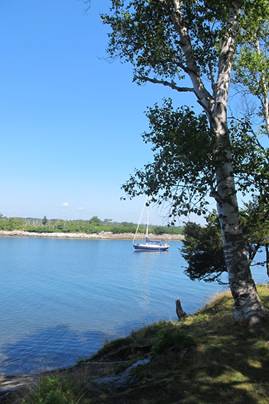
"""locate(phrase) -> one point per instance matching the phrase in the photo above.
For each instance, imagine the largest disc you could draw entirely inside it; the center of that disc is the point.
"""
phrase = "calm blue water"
(61, 300)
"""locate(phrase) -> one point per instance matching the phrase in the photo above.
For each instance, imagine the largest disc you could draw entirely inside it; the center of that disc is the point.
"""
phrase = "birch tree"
(189, 46)
(252, 69)
(202, 247)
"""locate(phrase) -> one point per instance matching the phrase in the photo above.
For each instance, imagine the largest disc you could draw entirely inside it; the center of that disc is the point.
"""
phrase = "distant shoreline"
(86, 236)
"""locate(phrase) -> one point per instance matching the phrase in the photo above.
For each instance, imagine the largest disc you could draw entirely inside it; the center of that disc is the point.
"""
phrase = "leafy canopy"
(183, 168)
(144, 33)
(202, 246)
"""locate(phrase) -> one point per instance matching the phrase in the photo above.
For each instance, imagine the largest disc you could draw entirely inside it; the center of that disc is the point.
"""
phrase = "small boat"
(147, 244)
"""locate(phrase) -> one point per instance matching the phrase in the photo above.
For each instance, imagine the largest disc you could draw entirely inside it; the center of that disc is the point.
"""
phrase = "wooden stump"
(179, 310)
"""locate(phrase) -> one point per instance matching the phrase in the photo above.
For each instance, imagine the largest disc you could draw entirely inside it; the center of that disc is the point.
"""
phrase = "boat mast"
(147, 228)
(139, 222)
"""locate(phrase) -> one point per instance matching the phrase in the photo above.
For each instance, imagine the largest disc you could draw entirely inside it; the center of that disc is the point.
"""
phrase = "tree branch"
(253, 252)
(226, 56)
(264, 96)
(166, 83)
(204, 97)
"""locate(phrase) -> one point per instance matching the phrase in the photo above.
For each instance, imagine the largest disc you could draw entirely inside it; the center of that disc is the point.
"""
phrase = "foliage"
(255, 221)
(202, 245)
(44, 220)
(148, 34)
(144, 34)
(202, 250)
(171, 339)
(252, 68)
(94, 225)
(95, 221)
(50, 390)
(182, 171)
(250, 160)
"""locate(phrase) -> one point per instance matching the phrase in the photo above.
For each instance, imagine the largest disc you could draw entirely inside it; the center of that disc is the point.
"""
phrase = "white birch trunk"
(247, 304)
(264, 96)
(266, 110)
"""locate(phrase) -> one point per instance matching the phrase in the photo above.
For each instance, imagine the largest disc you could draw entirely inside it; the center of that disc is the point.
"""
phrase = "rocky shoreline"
(86, 236)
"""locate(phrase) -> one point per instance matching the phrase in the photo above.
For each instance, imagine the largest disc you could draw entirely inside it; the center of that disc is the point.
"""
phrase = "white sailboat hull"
(150, 247)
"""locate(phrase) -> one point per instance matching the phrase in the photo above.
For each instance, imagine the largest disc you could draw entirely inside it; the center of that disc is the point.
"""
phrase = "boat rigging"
(148, 244)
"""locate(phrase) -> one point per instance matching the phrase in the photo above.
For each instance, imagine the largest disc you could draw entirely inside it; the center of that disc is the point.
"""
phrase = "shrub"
(50, 390)
(171, 339)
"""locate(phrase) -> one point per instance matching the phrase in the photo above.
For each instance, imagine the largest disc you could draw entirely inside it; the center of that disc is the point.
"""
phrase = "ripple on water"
(62, 299)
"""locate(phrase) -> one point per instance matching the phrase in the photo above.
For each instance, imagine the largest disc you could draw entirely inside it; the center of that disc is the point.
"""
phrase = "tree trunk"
(247, 304)
(267, 258)
(264, 95)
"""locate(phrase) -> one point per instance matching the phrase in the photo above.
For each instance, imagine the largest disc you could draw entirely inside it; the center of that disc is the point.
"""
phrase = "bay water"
(61, 300)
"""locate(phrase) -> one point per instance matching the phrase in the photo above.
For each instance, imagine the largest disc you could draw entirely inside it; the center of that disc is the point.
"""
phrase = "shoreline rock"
(86, 236)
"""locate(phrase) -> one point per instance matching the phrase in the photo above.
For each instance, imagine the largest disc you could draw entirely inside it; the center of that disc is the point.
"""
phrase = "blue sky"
(70, 119)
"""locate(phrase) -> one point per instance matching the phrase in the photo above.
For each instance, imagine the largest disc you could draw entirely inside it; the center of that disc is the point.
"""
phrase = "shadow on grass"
(229, 364)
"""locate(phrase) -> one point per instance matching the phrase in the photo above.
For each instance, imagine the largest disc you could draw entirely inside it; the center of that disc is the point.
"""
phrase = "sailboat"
(147, 244)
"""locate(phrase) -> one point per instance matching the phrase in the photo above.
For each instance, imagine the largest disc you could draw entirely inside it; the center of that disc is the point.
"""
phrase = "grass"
(50, 390)
(207, 358)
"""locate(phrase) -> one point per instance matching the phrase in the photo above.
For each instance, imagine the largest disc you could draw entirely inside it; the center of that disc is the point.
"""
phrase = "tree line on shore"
(93, 225)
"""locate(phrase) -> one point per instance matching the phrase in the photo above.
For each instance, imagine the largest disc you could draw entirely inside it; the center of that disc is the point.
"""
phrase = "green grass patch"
(171, 339)
(207, 358)
(51, 390)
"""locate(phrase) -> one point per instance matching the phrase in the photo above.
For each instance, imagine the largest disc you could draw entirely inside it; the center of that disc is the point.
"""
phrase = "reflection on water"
(43, 349)
(62, 299)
